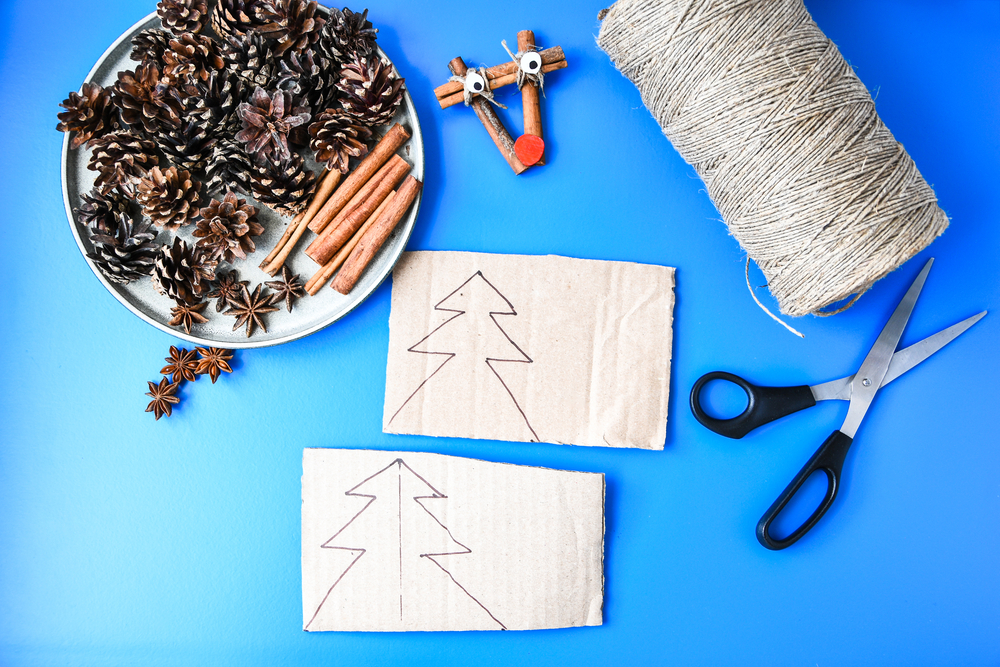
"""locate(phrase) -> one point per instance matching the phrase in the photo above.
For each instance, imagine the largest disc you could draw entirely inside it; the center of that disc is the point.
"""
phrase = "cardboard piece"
(529, 348)
(397, 541)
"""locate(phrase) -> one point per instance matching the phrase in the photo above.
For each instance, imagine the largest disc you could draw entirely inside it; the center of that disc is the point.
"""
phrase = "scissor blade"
(902, 361)
(868, 379)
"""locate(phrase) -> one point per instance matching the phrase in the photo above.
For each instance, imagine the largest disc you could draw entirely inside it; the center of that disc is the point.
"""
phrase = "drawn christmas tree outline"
(489, 360)
(435, 495)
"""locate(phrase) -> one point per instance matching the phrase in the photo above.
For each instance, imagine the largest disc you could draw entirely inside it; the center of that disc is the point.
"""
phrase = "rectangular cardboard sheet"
(529, 348)
(397, 541)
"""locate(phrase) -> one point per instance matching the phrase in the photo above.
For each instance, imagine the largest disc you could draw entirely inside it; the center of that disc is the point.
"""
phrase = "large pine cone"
(370, 91)
(212, 104)
(125, 253)
(149, 45)
(189, 147)
(293, 23)
(121, 159)
(169, 197)
(253, 60)
(180, 16)
(310, 78)
(89, 114)
(337, 137)
(267, 120)
(191, 58)
(102, 213)
(347, 34)
(146, 104)
(286, 188)
(183, 272)
(228, 168)
(233, 18)
(226, 228)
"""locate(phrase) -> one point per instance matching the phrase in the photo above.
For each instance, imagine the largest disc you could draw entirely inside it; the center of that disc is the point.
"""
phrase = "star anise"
(214, 361)
(163, 398)
(187, 315)
(287, 289)
(182, 364)
(248, 309)
(227, 289)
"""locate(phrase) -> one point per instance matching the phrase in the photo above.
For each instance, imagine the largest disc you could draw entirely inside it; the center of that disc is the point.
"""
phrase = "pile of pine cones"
(204, 117)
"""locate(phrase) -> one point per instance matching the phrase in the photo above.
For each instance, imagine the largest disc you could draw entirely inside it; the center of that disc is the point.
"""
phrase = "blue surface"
(125, 541)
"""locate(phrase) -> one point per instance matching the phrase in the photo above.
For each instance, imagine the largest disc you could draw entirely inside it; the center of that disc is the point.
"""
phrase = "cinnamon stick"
(321, 223)
(549, 56)
(384, 149)
(529, 93)
(488, 117)
(499, 82)
(319, 279)
(375, 237)
(284, 239)
(330, 241)
(277, 259)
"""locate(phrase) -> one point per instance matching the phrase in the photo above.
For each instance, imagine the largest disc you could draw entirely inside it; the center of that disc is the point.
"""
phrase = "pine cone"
(347, 34)
(228, 168)
(180, 16)
(125, 253)
(337, 137)
(149, 45)
(169, 197)
(370, 90)
(293, 23)
(122, 160)
(310, 78)
(215, 103)
(233, 18)
(183, 272)
(226, 228)
(252, 59)
(146, 104)
(191, 58)
(89, 114)
(286, 188)
(267, 120)
(189, 147)
(102, 213)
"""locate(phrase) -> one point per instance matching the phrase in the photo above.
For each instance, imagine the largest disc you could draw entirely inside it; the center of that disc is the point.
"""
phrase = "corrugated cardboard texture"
(397, 541)
(529, 348)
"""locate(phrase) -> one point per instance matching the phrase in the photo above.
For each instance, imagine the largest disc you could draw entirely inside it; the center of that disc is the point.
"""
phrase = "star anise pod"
(227, 289)
(249, 308)
(287, 289)
(187, 315)
(163, 397)
(182, 364)
(214, 361)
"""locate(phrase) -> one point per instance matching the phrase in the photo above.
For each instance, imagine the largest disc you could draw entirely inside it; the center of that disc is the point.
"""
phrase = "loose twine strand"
(785, 136)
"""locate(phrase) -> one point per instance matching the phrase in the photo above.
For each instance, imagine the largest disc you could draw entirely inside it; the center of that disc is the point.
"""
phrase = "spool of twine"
(760, 102)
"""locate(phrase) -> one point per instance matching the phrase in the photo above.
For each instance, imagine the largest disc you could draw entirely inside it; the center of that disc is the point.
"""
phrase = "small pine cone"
(253, 60)
(121, 159)
(146, 104)
(89, 113)
(295, 24)
(149, 45)
(347, 34)
(189, 147)
(180, 16)
(336, 138)
(233, 18)
(183, 272)
(286, 188)
(370, 91)
(191, 58)
(267, 120)
(169, 197)
(125, 253)
(215, 102)
(228, 168)
(102, 213)
(226, 228)
(310, 78)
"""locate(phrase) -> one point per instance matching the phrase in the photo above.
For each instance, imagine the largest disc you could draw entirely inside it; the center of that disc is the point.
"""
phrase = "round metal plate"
(310, 313)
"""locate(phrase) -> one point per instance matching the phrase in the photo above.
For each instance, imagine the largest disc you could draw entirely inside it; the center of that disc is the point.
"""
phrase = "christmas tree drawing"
(396, 550)
(470, 342)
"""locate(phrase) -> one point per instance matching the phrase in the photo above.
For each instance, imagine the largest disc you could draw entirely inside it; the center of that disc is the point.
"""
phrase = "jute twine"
(786, 138)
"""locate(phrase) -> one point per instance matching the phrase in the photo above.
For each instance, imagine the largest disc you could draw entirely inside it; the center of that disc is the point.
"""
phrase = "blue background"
(129, 541)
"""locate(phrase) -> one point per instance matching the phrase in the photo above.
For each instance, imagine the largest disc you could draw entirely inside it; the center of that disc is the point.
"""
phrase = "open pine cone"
(149, 45)
(345, 34)
(126, 252)
(226, 228)
(293, 23)
(183, 272)
(121, 159)
(233, 18)
(102, 213)
(286, 188)
(146, 104)
(252, 59)
(212, 104)
(337, 137)
(267, 120)
(228, 168)
(169, 197)
(180, 16)
(370, 91)
(310, 78)
(189, 58)
(89, 114)
(188, 147)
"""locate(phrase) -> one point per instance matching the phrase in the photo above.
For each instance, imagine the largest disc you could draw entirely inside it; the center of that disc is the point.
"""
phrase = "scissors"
(765, 404)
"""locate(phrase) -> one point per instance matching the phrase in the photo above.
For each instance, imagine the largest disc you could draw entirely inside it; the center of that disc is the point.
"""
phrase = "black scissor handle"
(764, 404)
(830, 459)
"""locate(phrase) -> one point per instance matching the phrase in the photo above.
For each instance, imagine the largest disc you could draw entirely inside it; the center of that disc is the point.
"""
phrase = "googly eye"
(474, 83)
(531, 62)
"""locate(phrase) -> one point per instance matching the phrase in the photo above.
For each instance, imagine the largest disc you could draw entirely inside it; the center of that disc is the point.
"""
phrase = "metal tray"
(310, 313)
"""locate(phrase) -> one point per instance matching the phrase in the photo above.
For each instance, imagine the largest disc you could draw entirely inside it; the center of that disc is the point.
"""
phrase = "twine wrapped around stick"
(785, 136)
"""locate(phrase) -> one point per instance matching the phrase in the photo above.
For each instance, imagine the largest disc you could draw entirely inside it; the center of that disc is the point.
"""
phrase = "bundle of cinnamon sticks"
(353, 221)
